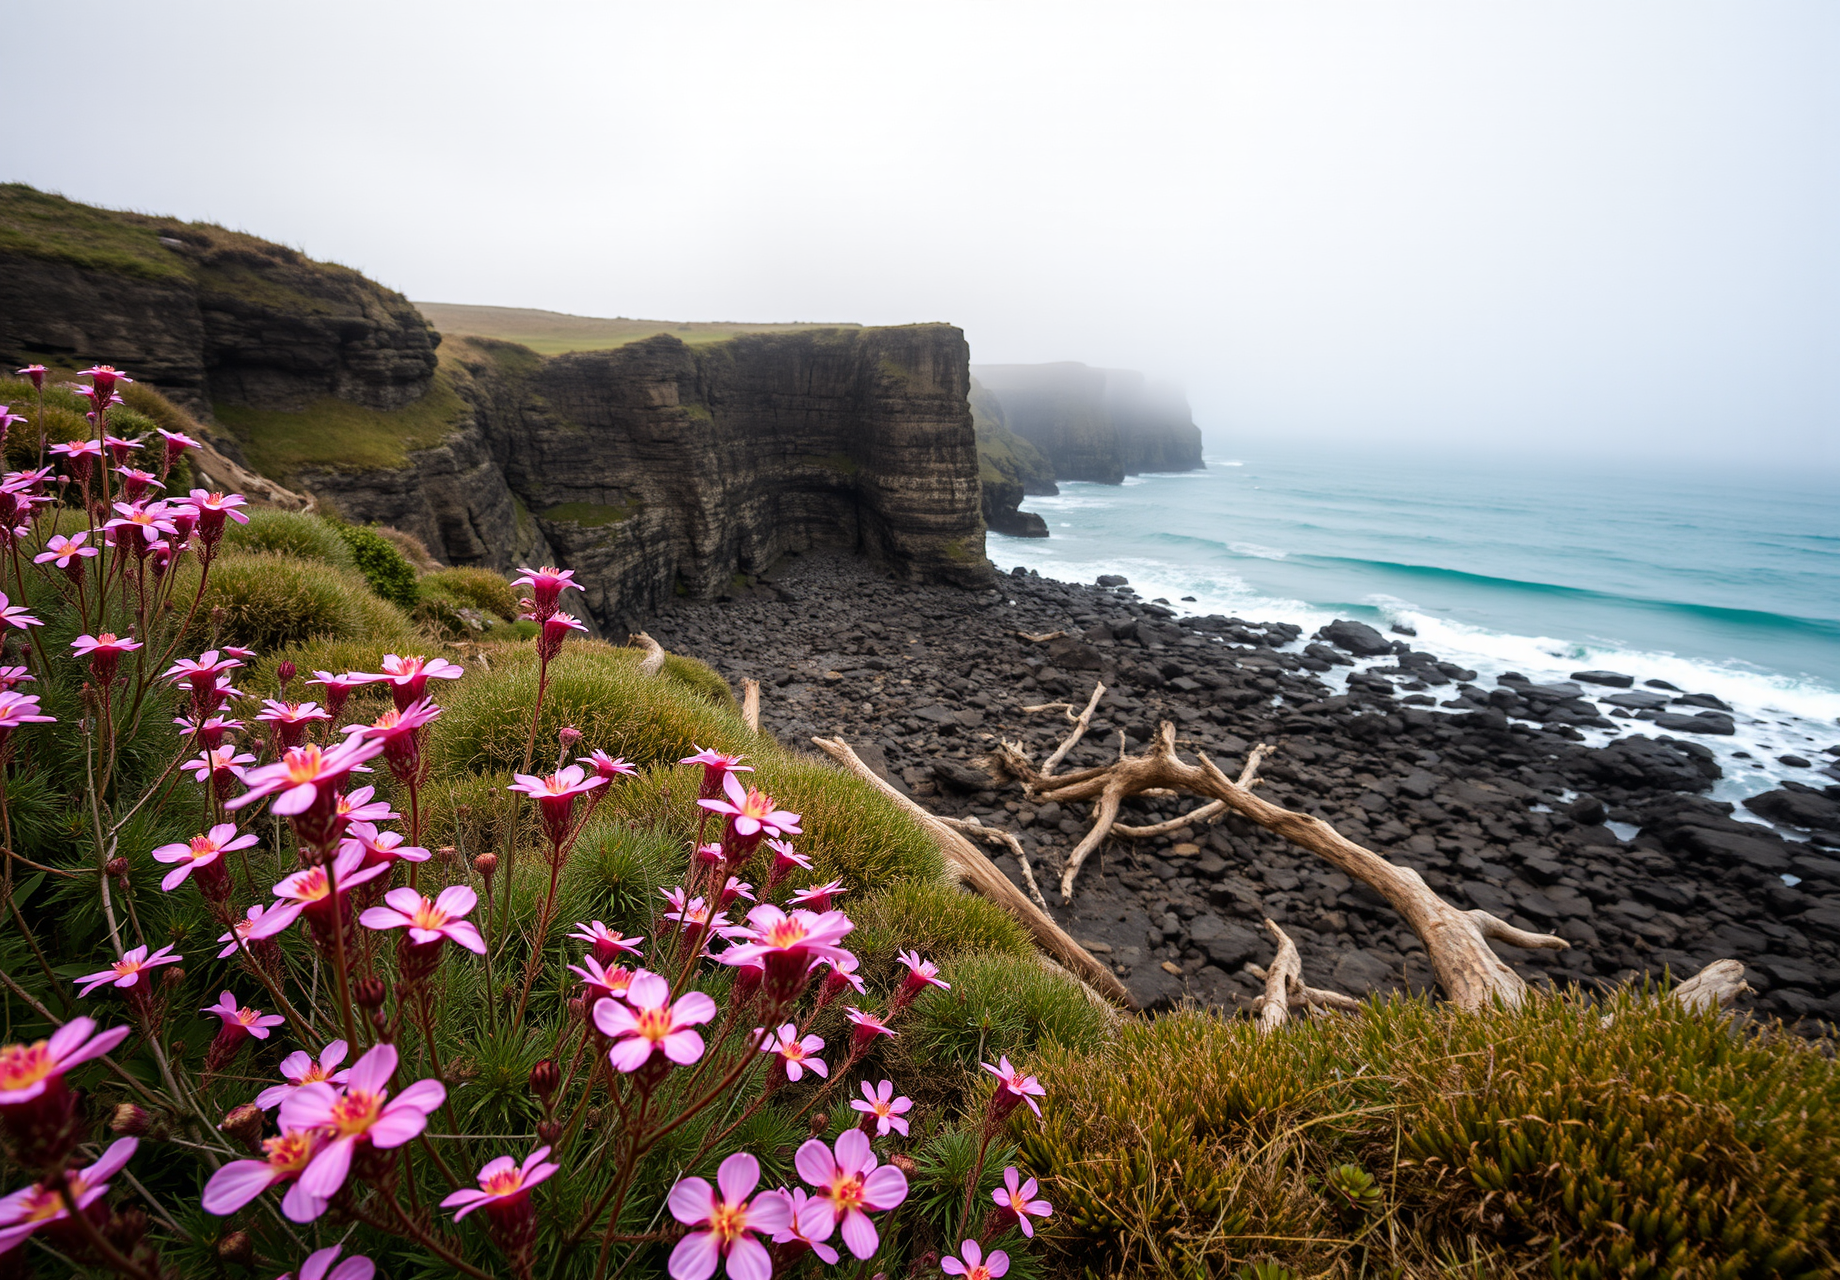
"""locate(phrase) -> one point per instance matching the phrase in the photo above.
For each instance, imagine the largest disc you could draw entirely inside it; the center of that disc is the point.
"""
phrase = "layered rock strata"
(658, 470)
(204, 314)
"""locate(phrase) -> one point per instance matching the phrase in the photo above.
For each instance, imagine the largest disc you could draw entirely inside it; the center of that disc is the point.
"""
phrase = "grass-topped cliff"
(554, 332)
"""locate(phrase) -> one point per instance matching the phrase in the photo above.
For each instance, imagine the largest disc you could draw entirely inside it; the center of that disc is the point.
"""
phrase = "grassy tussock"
(1540, 1141)
(481, 588)
(274, 601)
(290, 533)
(338, 435)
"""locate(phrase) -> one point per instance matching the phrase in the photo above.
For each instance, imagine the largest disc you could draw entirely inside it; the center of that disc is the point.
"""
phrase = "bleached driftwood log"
(983, 876)
(1457, 941)
(653, 661)
(1284, 988)
(750, 703)
(996, 835)
(1714, 987)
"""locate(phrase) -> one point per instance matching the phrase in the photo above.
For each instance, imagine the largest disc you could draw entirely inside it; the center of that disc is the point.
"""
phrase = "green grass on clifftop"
(337, 435)
(553, 332)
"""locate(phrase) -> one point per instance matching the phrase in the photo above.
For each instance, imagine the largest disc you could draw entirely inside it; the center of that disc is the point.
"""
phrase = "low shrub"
(289, 533)
(943, 921)
(383, 566)
(480, 588)
(1544, 1140)
(274, 601)
(1001, 1004)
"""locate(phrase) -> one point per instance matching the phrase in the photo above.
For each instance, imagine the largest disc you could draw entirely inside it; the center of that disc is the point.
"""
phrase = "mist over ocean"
(1719, 584)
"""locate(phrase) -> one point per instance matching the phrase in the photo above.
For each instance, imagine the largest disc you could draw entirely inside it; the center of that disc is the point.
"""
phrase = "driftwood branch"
(750, 703)
(1285, 991)
(1043, 638)
(1081, 723)
(983, 876)
(653, 661)
(996, 835)
(1248, 777)
(1714, 987)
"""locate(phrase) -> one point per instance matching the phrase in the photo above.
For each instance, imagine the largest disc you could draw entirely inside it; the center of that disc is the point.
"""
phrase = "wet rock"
(1356, 637)
(1800, 807)
(1704, 722)
(1614, 679)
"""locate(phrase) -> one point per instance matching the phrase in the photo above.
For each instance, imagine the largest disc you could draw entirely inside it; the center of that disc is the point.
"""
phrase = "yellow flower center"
(429, 916)
(288, 1153)
(203, 846)
(355, 1112)
(313, 886)
(757, 805)
(727, 1221)
(786, 933)
(25, 1064)
(303, 764)
(502, 1184)
(846, 1191)
(654, 1024)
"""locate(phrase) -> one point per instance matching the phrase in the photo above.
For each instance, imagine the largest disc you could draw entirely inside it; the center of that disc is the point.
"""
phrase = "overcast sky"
(1486, 224)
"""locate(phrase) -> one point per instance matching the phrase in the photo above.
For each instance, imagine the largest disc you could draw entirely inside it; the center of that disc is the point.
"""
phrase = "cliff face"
(1009, 468)
(206, 315)
(1095, 424)
(659, 469)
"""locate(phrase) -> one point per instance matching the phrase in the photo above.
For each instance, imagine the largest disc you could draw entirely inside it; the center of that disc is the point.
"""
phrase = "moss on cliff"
(337, 435)
(591, 515)
(554, 333)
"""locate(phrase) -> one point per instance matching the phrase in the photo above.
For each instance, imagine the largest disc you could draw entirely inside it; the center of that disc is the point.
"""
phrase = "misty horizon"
(1503, 230)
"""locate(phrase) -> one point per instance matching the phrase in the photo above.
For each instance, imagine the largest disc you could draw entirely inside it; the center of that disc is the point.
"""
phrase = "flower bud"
(820, 1121)
(568, 736)
(578, 1008)
(447, 854)
(117, 867)
(368, 993)
(244, 1123)
(486, 864)
(545, 1079)
(904, 1162)
(285, 672)
(549, 1132)
(130, 1121)
(237, 1247)
(173, 976)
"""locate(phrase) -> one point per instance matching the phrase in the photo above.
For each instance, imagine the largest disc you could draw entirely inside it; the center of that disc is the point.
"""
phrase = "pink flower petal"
(327, 1171)
(859, 1233)
(466, 935)
(423, 1095)
(748, 1259)
(693, 1010)
(695, 1257)
(683, 1047)
(457, 900)
(691, 1201)
(372, 1072)
(884, 1188)
(235, 1185)
(738, 1176)
(393, 1128)
(816, 1165)
(300, 1205)
(630, 1054)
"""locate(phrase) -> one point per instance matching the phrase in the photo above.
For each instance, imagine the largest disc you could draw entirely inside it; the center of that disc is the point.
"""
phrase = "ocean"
(1721, 584)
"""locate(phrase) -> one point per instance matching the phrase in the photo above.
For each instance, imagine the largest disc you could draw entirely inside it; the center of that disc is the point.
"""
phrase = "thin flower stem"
(402, 1224)
(338, 946)
(110, 1254)
(302, 1028)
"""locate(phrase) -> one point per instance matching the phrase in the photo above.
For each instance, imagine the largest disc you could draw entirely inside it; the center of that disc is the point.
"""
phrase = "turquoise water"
(1720, 584)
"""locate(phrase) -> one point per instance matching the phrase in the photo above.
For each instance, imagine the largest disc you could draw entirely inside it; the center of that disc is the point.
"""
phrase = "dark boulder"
(1615, 679)
(1797, 808)
(1704, 722)
(1701, 700)
(1636, 700)
(1356, 637)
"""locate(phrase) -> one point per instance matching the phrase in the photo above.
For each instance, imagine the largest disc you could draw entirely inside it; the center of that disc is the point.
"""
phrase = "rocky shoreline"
(1487, 792)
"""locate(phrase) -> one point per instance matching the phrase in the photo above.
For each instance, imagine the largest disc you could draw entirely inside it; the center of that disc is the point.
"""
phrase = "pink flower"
(381, 847)
(357, 806)
(126, 972)
(399, 730)
(556, 629)
(408, 677)
(647, 1023)
(751, 811)
(879, 1101)
(103, 378)
(735, 888)
(318, 1266)
(339, 688)
(209, 732)
(600, 982)
(241, 930)
(607, 766)
(1015, 1088)
(797, 1053)
(36, 372)
(135, 482)
(716, 767)
(785, 859)
(921, 974)
(1019, 1200)
(975, 1266)
(39, 1205)
(202, 672)
(842, 974)
(555, 796)
(19, 708)
(285, 1158)
(12, 677)
(306, 777)
(291, 719)
(104, 652)
(503, 1184)
(311, 890)
(299, 1068)
(201, 852)
(546, 587)
(364, 1112)
(868, 1025)
(850, 1187)
(15, 615)
(32, 1075)
(818, 897)
(63, 550)
(785, 945)
(429, 922)
(607, 943)
(219, 765)
(794, 1232)
(728, 1221)
(213, 508)
(149, 520)
(251, 1022)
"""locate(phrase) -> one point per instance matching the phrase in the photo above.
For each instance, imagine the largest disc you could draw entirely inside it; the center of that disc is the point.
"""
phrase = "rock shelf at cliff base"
(1614, 848)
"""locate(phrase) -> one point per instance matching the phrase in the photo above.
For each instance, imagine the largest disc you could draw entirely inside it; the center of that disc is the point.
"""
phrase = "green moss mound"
(289, 533)
(1547, 1140)
(480, 588)
(273, 601)
(998, 1005)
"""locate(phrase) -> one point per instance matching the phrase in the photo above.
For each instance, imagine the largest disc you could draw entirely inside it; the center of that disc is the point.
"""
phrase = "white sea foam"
(1254, 549)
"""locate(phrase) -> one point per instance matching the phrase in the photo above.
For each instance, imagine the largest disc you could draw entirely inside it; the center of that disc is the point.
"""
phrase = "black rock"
(1356, 637)
(1797, 809)
(1704, 722)
(1615, 679)
(960, 777)
(1794, 762)
(1113, 580)
(1636, 700)
(1662, 684)
(1228, 943)
(1324, 653)
(1701, 700)
(1587, 811)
